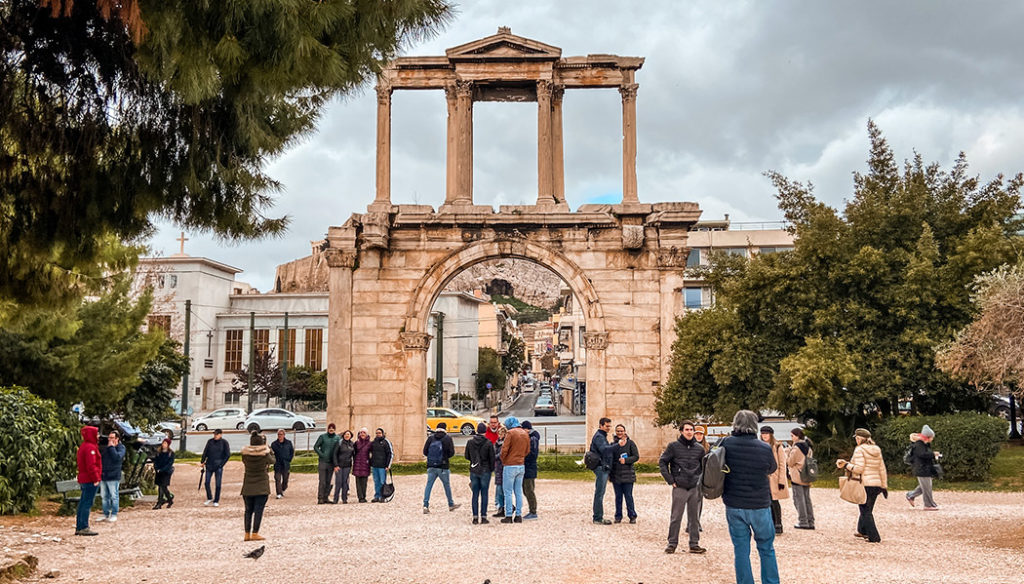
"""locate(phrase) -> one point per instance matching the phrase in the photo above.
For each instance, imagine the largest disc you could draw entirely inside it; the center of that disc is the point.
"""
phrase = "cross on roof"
(182, 240)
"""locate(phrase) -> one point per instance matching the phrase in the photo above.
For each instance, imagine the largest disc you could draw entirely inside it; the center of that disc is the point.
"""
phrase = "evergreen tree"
(159, 383)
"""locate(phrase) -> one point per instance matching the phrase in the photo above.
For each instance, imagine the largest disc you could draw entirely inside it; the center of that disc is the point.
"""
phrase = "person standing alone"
(681, 466)
(324, 449)
(922, 459)
(256, 457)
(90, 471)
(110, 481)
(215, 456)
(284, 452)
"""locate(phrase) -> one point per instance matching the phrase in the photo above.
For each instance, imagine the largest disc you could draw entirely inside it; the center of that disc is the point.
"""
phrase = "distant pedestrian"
(600, 446)
(922, 460)
(492, 429)
(499, 472)
(624, 455)
(343, 454)
(748, 498)
(777, 481)
(867, 465)
(381, 454)
(438, 449)
(801, 491)
(110, 479)
(530, 468)
(163, 467)
(90, 472)
(284, 452)
(324, 449)
(480, 454)
(513, 458)
(681, 466)
(215, 456)
(361, 462)
(256, 458)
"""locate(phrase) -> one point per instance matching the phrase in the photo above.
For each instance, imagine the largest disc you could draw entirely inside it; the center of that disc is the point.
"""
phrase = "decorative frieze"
(337, 258)
(595, 341)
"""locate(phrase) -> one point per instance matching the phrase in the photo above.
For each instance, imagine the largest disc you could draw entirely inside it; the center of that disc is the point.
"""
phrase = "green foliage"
(433, 391)
(36, 446)
(159, 383)
(513, 360)
(969, 442)
(306, 384)
(528, 313)
(488, 371)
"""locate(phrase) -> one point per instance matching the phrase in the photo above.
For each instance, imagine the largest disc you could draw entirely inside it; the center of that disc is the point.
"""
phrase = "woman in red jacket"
(90, 467)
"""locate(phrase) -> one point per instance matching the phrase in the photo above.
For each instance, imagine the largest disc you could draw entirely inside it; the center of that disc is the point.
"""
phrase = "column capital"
(464, 89)
(450, 93)
(595, 341)
(628, 91)
(544, 89)
(557, 92)
(384, 91)
(337, 258)
(415, 341)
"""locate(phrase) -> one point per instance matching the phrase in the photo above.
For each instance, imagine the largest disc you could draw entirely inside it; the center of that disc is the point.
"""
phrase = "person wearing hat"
(381, 454)
(777, 480)
(868, 466)
(361, 453)
(700, 435)
(163, 467)
(256, 458)
(513, 468)
(215, 455)
(324, 449)
(922, 459)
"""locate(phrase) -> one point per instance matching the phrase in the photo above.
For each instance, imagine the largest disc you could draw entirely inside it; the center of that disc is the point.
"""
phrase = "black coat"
(344, 453)
(163, 465)
(380, 453)
(530, 462)
(599, 444)
(682, 463)
(215, 454)
(284, 452)
(750, 462)
(447, 447)
(922, 459)
(480, 454)
(624, 472)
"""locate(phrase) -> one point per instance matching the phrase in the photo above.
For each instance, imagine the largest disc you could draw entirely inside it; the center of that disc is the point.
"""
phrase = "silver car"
(223, 419)
(277, 419)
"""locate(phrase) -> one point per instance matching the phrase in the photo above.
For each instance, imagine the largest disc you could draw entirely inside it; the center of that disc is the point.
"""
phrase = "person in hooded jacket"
(256, 458)
(867, 465)
(361, 452)
(438, 449)
(777, 481)
(624, 454)
(680, 466)
(513, 458)
(530, 476)
(110, 479)
(381, 454)
(343, 454)
(499, 471)
(90, 472)
(163, 466)
(480, 454)
(922, 460)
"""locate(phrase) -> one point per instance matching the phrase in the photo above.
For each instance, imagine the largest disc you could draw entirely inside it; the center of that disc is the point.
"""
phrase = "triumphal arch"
(625, 263)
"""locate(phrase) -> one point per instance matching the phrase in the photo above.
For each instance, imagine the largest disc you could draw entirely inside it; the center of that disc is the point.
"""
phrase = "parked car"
(544, 406)
(277, 419)
(455, 421)
(170, 428)
(224, 419)
(1000, 406)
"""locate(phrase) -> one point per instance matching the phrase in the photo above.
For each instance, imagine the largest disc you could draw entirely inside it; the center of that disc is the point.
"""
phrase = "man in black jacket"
(215, 456)
(480, 454)
(599, 445)
(438, 449)
(284, 452)
(681, 466)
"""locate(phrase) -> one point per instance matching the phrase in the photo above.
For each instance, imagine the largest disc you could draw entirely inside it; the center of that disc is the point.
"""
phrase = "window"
(233, 351)
(174, 281)
(232, 397)
(314, 348)
(693, 260)
(736, 251)
(261, 341)
(160, 322)
(775, 249)
(284, 356)
(693, 297)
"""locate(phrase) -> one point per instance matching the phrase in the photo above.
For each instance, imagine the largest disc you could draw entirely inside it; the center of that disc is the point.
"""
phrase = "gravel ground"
(976, 537)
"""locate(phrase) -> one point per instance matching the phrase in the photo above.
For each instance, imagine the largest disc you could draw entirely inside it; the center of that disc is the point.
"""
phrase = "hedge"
(968, 442)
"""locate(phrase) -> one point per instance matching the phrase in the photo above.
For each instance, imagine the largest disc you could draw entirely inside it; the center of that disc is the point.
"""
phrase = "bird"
(256, 553)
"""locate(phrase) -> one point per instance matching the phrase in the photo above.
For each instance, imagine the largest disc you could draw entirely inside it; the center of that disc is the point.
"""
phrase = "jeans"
(624, 491)
(924, 487)
(325, 471)
(479, 484)
(529, 486)
(600, 484)
(499, 491)
(341, 483)
(254, 512)
(110, 496)
(512, 484)
(687, 500)
(211, 473)
(802, 502)
(759, 521)
(432, 475)
(281, 479)
(85, 505)
(866, 522)
(379, 476)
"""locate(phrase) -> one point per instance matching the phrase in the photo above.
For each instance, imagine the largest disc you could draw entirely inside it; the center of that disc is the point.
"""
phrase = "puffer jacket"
(343, 453)
(681, 463)
(90, 461)
(796, 459)
(777, 480)
(623, 472)
(750, 462)
(867, 462)
(361, 457)
(922, 459)
(256, 459)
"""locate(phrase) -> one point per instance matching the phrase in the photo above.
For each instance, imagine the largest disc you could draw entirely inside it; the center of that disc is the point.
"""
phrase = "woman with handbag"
(866, 467)
(776, 480)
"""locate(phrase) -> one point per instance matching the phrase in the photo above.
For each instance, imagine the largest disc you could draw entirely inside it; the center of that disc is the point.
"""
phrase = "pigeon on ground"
(256, 553)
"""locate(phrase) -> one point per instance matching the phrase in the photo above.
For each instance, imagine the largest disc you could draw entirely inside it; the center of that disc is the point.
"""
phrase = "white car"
(224, 419)
(276, 419)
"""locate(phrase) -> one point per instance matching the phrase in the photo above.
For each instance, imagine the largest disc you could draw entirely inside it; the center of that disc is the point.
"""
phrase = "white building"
(461, 341)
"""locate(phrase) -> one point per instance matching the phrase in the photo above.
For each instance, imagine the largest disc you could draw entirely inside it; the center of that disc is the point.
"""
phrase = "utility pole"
(184, 378)
(439, 358)
(252, 358)
(284, 363)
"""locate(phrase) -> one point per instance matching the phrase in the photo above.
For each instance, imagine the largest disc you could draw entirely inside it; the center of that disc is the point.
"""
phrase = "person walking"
(163, 467)
(600, 446)
(381, 454)
(215, 455)
(284, 452)
(438, 449)
(499, 472)
(513, 458)
(922, 460)
(361, 462)
(324, 449)
(110, 477)
(90, 473)
(777, 481)
(624, 455)
(868, 466)
(748, 497)
(256, 457)
(480, 454)
(343, 455)
(530, 470)
(801, 491)
(681, 465)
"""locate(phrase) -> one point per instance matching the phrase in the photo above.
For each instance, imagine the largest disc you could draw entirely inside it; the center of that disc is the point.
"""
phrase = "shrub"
(968, 442)
(36, 445)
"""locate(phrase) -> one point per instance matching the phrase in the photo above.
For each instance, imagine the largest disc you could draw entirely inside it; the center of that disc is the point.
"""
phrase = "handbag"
(387, 491)
(851, 489)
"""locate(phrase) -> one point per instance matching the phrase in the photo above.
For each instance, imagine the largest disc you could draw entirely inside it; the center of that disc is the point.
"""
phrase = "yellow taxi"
(455, 421)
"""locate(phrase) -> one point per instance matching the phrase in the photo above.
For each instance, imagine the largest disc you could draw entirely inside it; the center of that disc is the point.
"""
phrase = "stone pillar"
(339, 340)
(557, 159)
(545, 190)
(410, 444)
(452, 156)
(383, 143)
(596, 344)
(629, 192)
(464, 156)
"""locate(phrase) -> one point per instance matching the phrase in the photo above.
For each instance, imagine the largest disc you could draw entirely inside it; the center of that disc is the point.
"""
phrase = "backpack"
(712, 480)
(435, 454)
(592, 460)
(809, 472)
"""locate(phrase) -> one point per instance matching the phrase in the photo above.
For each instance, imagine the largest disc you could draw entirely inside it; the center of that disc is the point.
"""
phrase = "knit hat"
(365, 430)
(166, 441)
(527, 425)
(481, 428)
(331, 426)
(862, 432)
(767, 430)
(927, 432)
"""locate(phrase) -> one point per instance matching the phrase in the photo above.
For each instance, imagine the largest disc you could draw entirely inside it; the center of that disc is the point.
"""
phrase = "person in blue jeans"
(480, 454)
(438, 449)
(748, 498)
(599, 445)
(90, 469)
(381, 454)
(110, 477)
(513, 460)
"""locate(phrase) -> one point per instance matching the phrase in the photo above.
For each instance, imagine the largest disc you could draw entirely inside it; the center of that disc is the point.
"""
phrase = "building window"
(693, 297)
(261, 341)
(233, 351)
(286, 357)
(314, 348)
(775, 249)
(160, 322)
(174, 281)
(736, 251)
(231, 398)
(693, 260)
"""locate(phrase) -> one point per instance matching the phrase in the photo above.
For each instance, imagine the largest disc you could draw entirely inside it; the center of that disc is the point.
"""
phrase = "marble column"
(545, 190)
(339, 340)
(557, 158)
(629, 192)
(383, 196)
(451, 158)
(464, 156)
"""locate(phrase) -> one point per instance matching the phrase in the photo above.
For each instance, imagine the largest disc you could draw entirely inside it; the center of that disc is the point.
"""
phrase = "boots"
(248, 536)
(256, 537)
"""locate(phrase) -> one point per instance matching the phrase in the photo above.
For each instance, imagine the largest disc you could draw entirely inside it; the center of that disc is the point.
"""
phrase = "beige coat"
(795, 462)
(868, 463)
(777, 480)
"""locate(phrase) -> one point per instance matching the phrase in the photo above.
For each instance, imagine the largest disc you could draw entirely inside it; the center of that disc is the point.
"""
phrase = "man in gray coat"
(681, 465)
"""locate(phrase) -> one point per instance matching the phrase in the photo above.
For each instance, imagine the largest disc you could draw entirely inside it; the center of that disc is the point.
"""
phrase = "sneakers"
(500, 513)
(696, 549)
(811, 527)
(215, 505)
(279, 496)
(112, 519)
(85, 531)
(454, 507)
(602, 522)
(208, 503)
(506, 520)
(911, 501)
(101, 518)
(670, 549)
(936, 508)
(426, 510)
(518, 519)
(530, 516)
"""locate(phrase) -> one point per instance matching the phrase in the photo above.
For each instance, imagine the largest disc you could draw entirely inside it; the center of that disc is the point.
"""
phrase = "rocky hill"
(526, 280)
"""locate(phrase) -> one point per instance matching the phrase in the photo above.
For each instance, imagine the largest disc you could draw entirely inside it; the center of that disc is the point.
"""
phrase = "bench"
(69, 486)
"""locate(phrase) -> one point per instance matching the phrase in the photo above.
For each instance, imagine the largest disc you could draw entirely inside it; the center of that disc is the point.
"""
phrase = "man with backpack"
(681, 465)
(438, 449)
(599, 460)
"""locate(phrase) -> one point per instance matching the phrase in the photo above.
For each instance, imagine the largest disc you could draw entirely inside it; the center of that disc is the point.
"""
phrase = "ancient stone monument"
(625, 262)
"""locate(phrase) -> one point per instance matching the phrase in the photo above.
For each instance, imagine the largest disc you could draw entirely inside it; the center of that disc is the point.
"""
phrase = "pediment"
(504, 45)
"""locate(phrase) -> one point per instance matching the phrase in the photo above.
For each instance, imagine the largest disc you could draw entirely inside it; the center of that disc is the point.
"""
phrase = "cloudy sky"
(728, 91)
